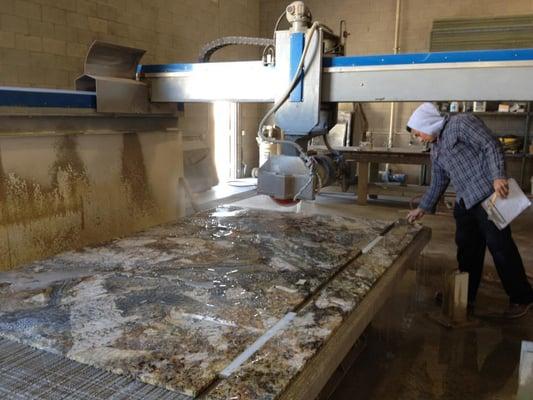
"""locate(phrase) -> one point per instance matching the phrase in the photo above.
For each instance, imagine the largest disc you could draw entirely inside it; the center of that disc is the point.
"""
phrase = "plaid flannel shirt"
(467, 155)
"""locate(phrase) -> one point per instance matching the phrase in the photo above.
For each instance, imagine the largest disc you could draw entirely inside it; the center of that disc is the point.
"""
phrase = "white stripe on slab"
(260, 342)
(370, 245)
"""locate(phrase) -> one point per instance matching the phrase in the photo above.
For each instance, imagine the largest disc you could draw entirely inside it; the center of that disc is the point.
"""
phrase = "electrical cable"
(326, 142)
(278, 21)
(328, 145)
(309, 181)
(327, 28)
(270, 48)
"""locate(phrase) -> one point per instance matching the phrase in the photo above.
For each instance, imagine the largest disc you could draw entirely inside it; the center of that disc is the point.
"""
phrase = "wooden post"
(455, 301)
(362, 182)
(454, 313)
(525, 372)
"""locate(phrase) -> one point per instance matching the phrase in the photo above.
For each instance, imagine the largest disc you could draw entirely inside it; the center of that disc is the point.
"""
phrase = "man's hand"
(415, 214)
(501, 187)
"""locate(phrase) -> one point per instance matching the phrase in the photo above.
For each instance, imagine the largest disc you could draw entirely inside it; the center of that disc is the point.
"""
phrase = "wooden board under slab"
(317, 372)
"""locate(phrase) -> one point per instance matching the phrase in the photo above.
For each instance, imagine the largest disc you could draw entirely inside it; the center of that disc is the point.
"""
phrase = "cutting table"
(231, 303)
(365, 157)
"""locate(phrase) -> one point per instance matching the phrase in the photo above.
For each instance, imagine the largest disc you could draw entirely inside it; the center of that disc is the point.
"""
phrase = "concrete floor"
(409, 357)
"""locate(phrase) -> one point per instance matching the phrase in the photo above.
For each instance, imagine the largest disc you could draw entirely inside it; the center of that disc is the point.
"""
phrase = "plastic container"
(388, 176)
(454, 106)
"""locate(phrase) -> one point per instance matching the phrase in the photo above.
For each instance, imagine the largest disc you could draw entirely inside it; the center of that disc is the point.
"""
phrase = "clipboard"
(503, 211)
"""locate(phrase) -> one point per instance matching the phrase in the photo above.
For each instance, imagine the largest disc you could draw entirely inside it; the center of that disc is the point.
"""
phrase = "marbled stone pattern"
(174, 305)
(269, 371)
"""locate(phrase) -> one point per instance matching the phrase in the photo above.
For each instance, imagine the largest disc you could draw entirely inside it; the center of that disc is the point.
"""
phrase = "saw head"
(288, 178)
(285, 178)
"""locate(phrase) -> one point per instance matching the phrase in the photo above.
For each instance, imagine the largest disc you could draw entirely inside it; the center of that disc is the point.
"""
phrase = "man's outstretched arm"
(428, 204)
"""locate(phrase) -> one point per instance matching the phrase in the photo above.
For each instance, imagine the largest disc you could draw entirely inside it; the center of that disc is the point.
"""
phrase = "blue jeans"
(474, 232)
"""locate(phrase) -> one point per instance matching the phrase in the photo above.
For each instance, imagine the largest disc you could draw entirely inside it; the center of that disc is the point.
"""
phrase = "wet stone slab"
(174, 305)
(267, 374)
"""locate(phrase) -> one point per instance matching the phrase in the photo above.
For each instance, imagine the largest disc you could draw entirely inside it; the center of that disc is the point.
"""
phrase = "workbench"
(230, 303)
(364, 158)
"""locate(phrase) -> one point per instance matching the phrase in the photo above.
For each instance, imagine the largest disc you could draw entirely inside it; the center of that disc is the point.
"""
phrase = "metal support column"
(525, 148)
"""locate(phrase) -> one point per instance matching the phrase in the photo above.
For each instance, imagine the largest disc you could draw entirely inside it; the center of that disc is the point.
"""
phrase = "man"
(464, 152)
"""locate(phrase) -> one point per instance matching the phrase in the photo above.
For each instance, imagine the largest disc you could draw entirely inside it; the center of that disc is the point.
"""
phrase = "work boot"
(517, 310)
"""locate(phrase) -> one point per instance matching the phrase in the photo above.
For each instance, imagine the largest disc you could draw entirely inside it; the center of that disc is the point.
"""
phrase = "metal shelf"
(494, 113)
(526, 115)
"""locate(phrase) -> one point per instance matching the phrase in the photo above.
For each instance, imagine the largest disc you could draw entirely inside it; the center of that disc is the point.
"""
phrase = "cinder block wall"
(43, 42)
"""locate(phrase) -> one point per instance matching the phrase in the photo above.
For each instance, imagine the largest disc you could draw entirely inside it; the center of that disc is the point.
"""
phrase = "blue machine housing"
(31, 97)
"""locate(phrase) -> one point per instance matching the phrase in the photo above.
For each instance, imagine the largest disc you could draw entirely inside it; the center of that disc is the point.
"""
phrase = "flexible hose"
(210, 48)
(309, 181)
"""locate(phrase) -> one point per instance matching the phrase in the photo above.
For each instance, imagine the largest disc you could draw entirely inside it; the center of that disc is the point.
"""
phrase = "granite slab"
(268, 373)
(175, 304)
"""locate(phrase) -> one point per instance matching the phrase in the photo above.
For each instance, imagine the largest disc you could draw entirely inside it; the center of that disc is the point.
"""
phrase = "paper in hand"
(502, 211)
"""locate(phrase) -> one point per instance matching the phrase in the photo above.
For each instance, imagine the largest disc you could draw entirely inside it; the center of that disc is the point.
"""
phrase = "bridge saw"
(235, 302)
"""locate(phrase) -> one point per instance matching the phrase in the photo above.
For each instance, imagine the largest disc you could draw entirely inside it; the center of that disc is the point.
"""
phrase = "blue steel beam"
(31, 97)
(297, 43)
(430, 58)
(387, 59)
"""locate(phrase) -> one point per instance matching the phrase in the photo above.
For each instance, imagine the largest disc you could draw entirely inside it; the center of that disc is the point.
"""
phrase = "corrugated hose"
(210, 48)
